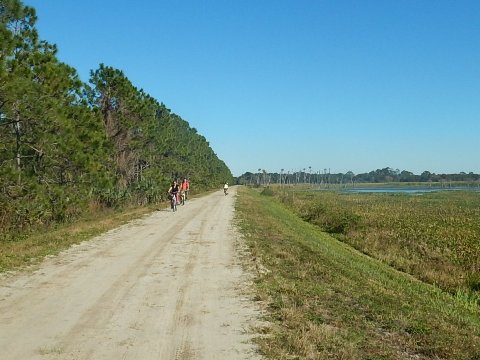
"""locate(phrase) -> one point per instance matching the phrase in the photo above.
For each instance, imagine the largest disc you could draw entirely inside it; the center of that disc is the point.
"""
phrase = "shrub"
(334, 221)
(473, 282)
(267, 192)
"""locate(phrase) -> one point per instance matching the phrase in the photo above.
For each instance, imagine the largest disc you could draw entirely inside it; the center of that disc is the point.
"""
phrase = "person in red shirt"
(184, 187)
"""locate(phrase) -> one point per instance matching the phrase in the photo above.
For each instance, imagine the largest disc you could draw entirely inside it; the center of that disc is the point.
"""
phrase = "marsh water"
(408, 190)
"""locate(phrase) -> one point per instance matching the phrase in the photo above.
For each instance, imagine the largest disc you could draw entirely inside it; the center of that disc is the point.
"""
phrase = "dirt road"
(168, 286)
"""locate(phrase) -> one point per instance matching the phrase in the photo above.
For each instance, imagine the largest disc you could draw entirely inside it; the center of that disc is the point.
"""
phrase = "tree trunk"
(18, 136)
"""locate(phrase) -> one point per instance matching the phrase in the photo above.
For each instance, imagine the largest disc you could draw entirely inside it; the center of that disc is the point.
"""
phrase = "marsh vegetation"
(434, 236)
(324, 299)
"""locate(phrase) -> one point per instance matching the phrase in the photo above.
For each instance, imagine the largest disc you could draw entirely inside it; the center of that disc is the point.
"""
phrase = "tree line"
(66, 144)
(324, 177)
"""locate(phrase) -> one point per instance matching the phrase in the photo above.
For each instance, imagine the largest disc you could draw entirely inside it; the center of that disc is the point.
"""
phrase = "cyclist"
(184, 188)
(173, 193)
(225, 188)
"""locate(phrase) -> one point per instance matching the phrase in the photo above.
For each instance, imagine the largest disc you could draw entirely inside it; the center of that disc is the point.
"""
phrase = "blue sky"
(345, 85)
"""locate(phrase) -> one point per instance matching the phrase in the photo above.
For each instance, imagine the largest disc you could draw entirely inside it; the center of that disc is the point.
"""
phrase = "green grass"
(433, 236)
(326, 300)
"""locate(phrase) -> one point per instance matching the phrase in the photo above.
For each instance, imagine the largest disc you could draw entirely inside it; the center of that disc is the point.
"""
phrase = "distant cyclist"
(225, 188)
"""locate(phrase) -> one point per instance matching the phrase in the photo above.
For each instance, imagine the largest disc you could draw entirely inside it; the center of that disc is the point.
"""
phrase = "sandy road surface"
(164, 287)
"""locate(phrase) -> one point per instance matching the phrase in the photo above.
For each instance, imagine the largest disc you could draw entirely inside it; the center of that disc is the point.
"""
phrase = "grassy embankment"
(433, 236)
(326, 300)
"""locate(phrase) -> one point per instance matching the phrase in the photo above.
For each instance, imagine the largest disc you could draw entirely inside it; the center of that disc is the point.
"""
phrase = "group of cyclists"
(177, 193)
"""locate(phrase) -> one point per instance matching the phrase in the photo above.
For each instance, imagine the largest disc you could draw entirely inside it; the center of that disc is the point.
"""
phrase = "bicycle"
(183, 196)
(173, 201)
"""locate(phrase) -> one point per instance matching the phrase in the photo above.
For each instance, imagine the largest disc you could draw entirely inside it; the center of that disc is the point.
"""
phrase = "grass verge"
(433, 236)
(326, 300)
(31, 249)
